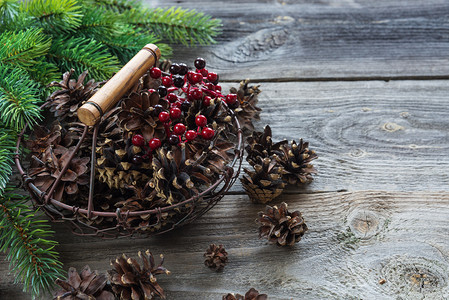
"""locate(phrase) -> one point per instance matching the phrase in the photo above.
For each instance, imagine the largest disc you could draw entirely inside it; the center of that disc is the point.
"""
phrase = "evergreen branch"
(19, 96)
(177, 25)
(9, 9)
(119, 6)
(98, 21)
(83, 54)
(22, 48)
(54, 15)
(24, 237)
(44, 72)
(8, 139)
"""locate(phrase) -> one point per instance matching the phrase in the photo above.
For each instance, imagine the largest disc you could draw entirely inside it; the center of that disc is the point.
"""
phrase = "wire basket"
(158, 220)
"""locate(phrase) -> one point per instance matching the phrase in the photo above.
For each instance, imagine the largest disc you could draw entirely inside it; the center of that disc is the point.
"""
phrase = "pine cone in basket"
(43, 138)
(280, 226)
(87, 285)
(131, 280)
(261, 144)
(216, 257)
(252, 294)
(72, 93)
(265, 183)
(247, 110)
(295, 161)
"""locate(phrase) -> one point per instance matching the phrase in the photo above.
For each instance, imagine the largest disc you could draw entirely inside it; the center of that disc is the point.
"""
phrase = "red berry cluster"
(180, 88)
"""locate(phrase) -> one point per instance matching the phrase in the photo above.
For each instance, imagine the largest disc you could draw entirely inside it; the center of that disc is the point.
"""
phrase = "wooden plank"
(324, 40)
(354, 240)
(375, 134)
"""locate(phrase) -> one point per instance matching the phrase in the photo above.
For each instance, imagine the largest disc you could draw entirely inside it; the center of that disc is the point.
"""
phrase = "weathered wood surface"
(378, 209)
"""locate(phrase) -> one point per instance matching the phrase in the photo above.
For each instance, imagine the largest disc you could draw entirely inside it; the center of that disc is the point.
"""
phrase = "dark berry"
(196, 94)
(162, 90)
(207, 133)
(172, 98)
(138, 140)
(137, 159)
(157, 110)
(178, 81)
(155, 73)
(166, 81)
(174, 69)
(201, 120)
(212, 77)
(154, 143)
(200, 63)
(206, 101)
(234, 105)
(185, 106)
(183, 69)
(164, 116)
(203, 72)
(173, 139)
(175, 113)
(179, 128)
(231, 99)
(191, 135)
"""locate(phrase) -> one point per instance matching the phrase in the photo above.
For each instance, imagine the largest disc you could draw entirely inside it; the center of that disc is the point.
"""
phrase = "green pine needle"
(8, 139)
(119, 6)
(54, 16)
(24, 237)
(177, 25)
(19, 96)
(9, 9)
(83, 54)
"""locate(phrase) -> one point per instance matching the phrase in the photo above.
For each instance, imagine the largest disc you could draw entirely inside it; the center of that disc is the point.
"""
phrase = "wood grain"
(354, 240)
(324, 40)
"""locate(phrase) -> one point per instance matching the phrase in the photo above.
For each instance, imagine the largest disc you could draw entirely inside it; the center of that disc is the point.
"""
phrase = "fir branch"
(24, 237)
(98, 21)
(9, 9)
(53, 16)
(23, 48)
(119, 6)
(8, 139)
(83, 54)
(177, 25)
(19, 96)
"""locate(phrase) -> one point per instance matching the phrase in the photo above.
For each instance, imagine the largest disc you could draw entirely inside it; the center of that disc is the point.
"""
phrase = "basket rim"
(41, 198)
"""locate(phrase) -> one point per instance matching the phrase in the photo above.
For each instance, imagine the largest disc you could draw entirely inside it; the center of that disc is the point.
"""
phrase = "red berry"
(203, 72)
(175, 113)
(207, 133)
(166, 81)
(154, 143)
(177, 104)
(172, 89)
(138, 140)
(164, 116)
(218, 88)
(155, 73)
(191, 135)
(212, 77)
(172, 97)
(193, 77)
(206, 101)
(196, 94)
(210, 86)
(151, 91)
(179, 128)
(201, 121)
(230, 99)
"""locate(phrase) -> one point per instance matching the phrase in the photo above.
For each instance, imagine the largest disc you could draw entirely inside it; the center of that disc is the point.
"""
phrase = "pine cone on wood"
(130, 280)
(252, 294)
(280, 226)
(216, 257)
(87, 285)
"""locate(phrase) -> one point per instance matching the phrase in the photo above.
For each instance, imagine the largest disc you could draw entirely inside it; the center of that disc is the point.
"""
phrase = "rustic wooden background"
(365, 82)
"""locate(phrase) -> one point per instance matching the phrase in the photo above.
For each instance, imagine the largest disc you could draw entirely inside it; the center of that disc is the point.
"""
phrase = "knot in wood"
(365, 223)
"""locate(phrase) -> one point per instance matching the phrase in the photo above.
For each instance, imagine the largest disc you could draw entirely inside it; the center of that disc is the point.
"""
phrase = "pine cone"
(87, 285)
(261, 144)
(43, 138)
(130, 280)
(139, 114)
(216, 257)
(265, 183)
(72, 93)
(252, 294)
(247, 110)
(280, 226)
(295, 161)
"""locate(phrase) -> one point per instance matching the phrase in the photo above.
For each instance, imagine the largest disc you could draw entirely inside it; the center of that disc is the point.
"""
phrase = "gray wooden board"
(355, 239)
(325, 40)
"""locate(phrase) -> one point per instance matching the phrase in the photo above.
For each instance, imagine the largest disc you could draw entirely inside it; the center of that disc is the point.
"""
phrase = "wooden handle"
(106, 97)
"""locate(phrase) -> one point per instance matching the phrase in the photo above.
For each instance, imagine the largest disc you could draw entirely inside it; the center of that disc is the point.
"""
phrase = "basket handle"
(106, 97)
